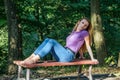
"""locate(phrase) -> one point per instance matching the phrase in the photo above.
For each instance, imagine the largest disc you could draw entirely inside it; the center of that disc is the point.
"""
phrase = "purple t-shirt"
(75, 40)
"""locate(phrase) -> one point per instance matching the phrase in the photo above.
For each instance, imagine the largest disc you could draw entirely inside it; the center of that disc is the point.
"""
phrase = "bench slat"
(54, 63)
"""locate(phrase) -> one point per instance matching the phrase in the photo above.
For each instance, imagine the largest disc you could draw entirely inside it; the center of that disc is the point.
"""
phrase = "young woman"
(77, 41)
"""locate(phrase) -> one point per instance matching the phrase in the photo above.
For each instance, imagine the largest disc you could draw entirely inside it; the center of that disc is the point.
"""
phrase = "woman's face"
(83, 24)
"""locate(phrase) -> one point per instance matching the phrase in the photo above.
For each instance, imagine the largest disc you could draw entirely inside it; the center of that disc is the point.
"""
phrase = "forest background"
(38, 19)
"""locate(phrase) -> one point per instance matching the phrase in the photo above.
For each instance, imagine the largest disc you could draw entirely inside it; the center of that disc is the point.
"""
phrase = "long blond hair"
(89, 29)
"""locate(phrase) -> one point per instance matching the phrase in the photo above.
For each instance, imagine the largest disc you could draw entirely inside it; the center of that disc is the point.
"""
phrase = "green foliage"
(29, 42)
(111, 24)
(2, 22)
(3, 48)
(55, 19)
(109, 60)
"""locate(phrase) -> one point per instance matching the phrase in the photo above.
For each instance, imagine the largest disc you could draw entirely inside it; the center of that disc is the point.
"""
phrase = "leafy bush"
(3, 48)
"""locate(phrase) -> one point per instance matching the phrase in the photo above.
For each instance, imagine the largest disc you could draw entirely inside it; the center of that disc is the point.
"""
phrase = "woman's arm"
(87, 42)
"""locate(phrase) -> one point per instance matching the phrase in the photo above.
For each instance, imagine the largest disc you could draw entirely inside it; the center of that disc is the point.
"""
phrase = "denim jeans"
(60, 53)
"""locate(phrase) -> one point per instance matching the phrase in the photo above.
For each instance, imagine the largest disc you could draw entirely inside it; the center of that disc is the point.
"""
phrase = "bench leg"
(19, 72)
(28, 74)
(90, 72)
(79, 71)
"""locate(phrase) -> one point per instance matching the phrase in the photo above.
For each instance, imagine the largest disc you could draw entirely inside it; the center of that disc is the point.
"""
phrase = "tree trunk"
(13, 35)
(98, 31)
(119, 60)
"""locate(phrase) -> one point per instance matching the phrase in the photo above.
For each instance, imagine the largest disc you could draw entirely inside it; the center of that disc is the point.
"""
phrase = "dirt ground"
(99, 73)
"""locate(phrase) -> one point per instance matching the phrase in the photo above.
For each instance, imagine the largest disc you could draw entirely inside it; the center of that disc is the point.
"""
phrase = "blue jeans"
(60, 53)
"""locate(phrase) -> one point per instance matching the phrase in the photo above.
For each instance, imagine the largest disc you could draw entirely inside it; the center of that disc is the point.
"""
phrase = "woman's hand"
(95, 60)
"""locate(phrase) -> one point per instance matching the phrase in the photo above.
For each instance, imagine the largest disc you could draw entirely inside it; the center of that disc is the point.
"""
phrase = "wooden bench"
(53, 63)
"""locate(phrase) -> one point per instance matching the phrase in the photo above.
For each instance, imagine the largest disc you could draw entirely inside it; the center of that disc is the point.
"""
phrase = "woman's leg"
(59, 52)
(50, 45)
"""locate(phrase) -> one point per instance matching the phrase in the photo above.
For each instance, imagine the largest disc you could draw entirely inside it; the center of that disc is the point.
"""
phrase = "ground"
(69, 73)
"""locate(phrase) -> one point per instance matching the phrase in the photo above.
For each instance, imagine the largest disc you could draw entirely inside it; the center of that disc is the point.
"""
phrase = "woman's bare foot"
(28, 61)
(23, 63)
(31, 56)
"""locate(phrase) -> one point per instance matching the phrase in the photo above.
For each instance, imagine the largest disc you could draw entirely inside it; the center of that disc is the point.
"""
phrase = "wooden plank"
(54, 63)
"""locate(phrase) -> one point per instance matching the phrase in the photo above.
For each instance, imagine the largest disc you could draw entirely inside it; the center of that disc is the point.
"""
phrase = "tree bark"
(119, 60)
(98, 31)
(14, 41)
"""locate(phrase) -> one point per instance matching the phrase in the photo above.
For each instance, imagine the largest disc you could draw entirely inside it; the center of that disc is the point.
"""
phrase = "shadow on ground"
(81, 77)
(95, 77)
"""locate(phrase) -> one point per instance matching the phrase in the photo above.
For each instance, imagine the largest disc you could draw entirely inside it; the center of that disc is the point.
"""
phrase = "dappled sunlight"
(13, 43)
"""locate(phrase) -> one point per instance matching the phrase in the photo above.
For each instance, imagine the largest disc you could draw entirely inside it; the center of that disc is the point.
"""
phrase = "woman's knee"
(53, 40)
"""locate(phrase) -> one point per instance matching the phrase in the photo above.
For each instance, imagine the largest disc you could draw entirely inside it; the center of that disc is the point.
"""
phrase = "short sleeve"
(85, 33)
